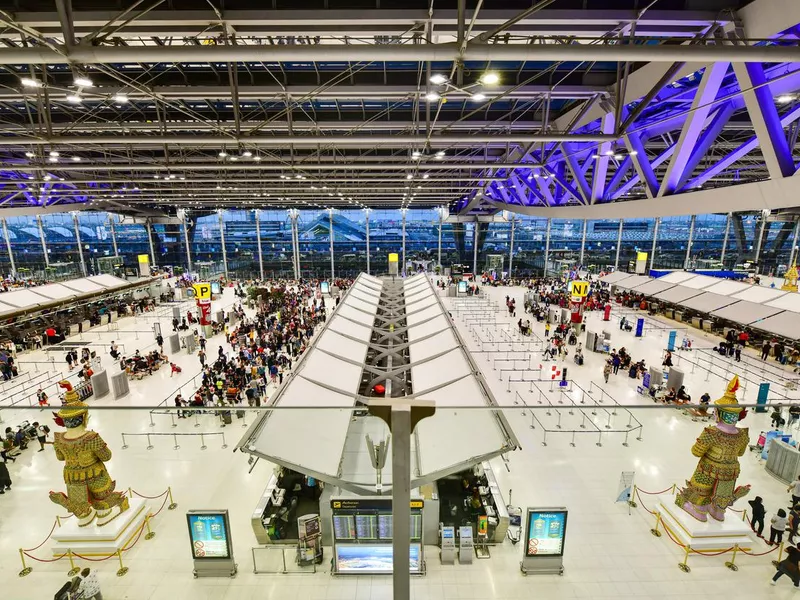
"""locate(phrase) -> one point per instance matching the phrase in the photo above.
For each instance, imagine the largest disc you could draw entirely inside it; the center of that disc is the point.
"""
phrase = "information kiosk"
(465, 545)
(448, 552)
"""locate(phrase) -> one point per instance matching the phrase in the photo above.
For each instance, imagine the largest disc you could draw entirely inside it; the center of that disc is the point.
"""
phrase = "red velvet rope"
(55, 524)
(43, 560)
(151, 497)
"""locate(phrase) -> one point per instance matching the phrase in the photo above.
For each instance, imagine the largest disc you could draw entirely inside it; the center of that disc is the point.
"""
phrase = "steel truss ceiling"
(318, 105)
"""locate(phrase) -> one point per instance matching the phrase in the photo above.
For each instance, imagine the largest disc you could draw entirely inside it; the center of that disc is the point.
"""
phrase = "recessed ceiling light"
(82, 81)
(53, 159)
(234, 158)
(256, 158)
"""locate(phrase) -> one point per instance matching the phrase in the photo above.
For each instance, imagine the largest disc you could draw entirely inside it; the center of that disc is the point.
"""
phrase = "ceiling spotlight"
(633, 153)
(609, 153)
(120, 98)
(438, 79)
(490, 78)
(222, 154)
(234, 158)
(30, 82)
(30, 154)
(785, 98)
(425, 176)
(74, 98)
(82, 81)
(53, 159)
(440, 154)
(416, 154)
(172, 176)
(256, 158)
(595, 156)
(47, 177)
(54, 153)
(247, 154)
(409, 176)
(76, 159)
(478, 97)
(432, 97)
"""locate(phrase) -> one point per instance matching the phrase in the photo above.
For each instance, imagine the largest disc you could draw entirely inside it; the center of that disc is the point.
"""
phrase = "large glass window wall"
(422, 233)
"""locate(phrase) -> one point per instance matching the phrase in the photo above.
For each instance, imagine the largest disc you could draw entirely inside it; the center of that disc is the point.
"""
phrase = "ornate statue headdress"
(728, 406)
(73, 407)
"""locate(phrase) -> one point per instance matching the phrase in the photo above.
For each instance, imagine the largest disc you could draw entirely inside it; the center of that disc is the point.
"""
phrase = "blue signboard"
(546, 531)
(763, 393)
(639, 327)
(671, 342)
(208, 532)
(646, 380)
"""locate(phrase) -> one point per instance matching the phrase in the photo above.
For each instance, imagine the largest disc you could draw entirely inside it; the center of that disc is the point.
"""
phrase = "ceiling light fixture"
(409, 176)
(440, 154)
(120, 98)
(54, 153)
(432, 97)
(785, 98)
(234, 158)
(425, 176)
(222, 154)
(438, 79)
(82, 81)
(74, 98)
(30, 154)
(53, 159)
(30, 82)
(479, 97)
(247, 154)
(490, 78)
(76, 159)
(257, 158)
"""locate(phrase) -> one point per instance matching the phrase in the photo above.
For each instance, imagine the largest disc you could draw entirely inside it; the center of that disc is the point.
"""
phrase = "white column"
(764, 215)
(330, 221)
(475, 249)
(186, 243)
(8, 248)
(222, 237)
(296, 243)
(150, 242)
(619, 244)
(78, 241)
(366, 216)
(258, 245)
(583, 240)
(401, 429)
(511, 246)
(44, 242)
(689, 243)
(547, 247)
(441, 218)
(655, 241)
(113, 233)
(725, 239)
(791, 253)
(403, 267)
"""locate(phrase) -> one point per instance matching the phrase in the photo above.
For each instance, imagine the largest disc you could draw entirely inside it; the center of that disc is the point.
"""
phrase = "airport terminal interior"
(420, 300)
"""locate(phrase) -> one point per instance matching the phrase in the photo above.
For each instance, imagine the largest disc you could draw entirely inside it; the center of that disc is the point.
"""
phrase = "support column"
(150, 242)
(222, 237)
(78, 241)
(296, 243)
(475, 249)
(11, 254)
(401, 500)
(186, 243)
(655, 242)
(44, 242)
(113, 229)
(366, 211)
(330, 226)
(441, 219)
(547, 246)
(725, 239)
(258, 244)
(403, 269)
(764, 215)
(511, 246)
(619, 244)
(689, 243)
(792, 253)
(583, 240)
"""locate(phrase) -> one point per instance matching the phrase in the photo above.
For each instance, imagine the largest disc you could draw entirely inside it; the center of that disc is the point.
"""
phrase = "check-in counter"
(495, 506)
(263, 510)
(783, 461)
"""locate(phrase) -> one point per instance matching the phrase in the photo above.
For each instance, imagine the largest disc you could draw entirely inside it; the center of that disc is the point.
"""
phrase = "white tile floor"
(608, 553)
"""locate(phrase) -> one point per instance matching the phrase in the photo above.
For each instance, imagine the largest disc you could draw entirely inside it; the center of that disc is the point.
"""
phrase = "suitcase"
(240, 414)
(226, 418)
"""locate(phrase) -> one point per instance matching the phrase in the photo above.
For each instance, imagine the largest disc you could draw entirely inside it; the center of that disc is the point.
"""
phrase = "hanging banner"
(625, 489)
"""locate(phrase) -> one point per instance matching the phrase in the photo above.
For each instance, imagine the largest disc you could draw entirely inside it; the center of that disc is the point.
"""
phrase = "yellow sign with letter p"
(202, 291)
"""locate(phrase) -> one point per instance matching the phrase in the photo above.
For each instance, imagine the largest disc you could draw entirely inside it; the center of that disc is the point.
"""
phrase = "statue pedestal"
(100, 541)
(711, 535)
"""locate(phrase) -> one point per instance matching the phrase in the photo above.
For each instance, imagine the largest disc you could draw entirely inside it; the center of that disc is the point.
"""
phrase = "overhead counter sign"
(579, 289)
(202, 291)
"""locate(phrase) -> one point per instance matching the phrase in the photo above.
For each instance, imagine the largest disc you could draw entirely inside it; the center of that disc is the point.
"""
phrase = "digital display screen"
(344, 527)
(372, 558)
(546, 531)
(208, 533)
(367, 527)
(416, 526)
(215, 289)
(448, 533)
(462, 287)
(325, 287)
(385, 527)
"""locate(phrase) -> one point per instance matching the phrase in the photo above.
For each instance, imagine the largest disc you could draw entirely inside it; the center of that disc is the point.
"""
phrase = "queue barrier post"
(731, 564)
(655, 530)
(122, 568)
(26, 570)
(780, 556)
(73, 570)
(684, 566)
(172, 504)
(150, 533)
(632, 501)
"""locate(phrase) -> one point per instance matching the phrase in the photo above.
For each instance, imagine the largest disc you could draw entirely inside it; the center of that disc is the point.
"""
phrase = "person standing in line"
(737, 351)
(160, 342)
(758, 512)
(777, 526)
(789, 566)
(765, 351)
(794, 521)
(5, 478)
(794, 489)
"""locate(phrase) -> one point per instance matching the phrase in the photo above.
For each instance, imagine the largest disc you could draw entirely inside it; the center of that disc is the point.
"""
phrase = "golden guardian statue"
(712, 488)
(90, 489)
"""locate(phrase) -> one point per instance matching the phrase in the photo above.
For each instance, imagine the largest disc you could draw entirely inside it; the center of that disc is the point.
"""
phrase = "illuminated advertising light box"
(215, 287)
(545, 533)
(372, 558)
(462, 287)
(208, 532)
(325, 287)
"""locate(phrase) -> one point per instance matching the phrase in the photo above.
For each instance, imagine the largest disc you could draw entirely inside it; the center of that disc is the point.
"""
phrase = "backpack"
(46, 429)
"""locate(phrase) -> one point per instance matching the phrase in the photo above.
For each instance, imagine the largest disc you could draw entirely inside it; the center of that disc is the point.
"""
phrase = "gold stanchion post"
(172, 504)
(632, 501)
(58, 520)
(26, 570)
(780, 555)
(684, 566)
(122, 568)
(150, 533)
(655, 530)
(73, 570)
(674, 485)
(731, 564)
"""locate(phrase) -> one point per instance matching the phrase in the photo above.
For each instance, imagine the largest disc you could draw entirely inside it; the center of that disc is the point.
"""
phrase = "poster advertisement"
(325, 287)
(546, 532)
(366, 558)
(462, 287)
(208, 532)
